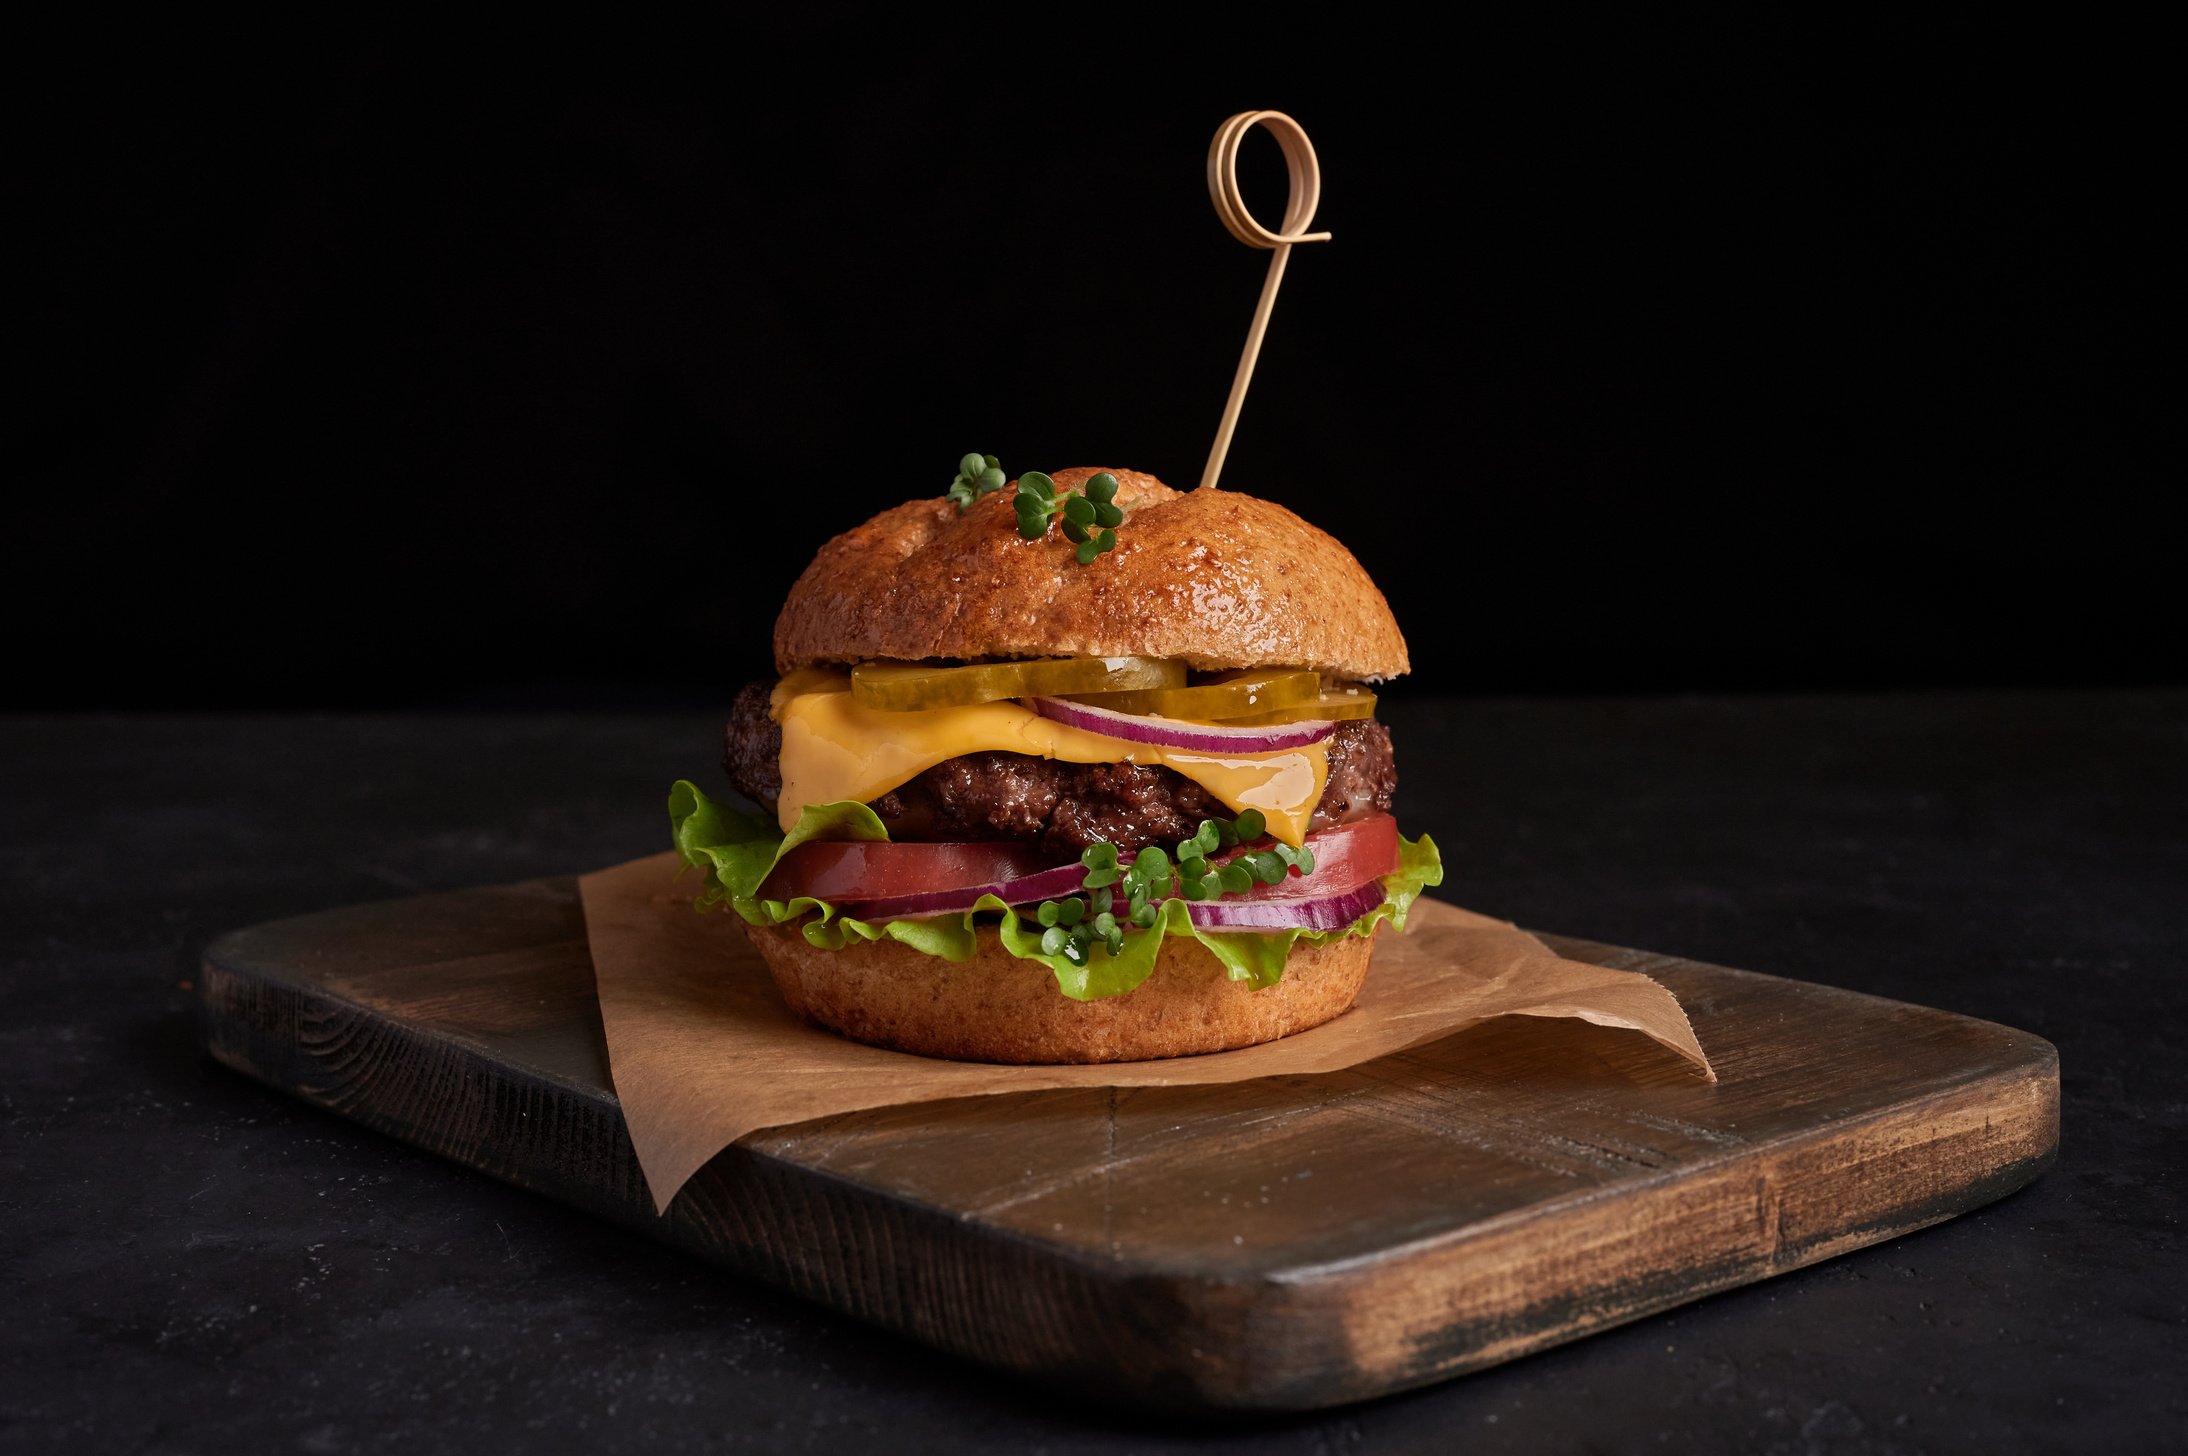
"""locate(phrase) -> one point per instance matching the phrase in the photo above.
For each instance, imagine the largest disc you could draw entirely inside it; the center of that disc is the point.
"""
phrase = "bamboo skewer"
(1306, 194)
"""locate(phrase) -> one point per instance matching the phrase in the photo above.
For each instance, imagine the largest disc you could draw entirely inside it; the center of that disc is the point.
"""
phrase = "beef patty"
(1062, 806)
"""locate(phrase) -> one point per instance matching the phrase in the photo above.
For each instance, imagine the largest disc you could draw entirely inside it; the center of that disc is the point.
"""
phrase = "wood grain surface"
(1280, 1244)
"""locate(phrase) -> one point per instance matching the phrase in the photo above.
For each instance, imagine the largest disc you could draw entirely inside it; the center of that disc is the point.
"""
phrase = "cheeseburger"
(1071, 768)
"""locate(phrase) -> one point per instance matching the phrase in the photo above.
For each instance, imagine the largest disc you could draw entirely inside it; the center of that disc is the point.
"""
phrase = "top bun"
(1216, 578)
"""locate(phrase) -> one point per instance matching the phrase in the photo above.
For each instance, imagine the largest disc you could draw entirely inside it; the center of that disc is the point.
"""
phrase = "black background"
(409, 368)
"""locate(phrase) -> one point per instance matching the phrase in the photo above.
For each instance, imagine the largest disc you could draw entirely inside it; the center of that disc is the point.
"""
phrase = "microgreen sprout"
(976, 476)
(1198, 879)
(1090, 517)
(1071, 927)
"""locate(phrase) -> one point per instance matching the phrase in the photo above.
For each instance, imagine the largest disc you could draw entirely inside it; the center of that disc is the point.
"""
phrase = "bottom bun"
(994, 1007)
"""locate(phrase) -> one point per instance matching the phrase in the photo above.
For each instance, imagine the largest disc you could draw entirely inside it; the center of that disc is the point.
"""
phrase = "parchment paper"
(703, 1051)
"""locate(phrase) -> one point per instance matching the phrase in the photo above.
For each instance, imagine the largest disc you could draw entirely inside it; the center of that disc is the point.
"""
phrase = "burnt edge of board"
(1309, 1338)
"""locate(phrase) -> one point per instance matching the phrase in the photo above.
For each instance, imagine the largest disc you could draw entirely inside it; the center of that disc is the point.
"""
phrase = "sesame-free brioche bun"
(994, 1007)
(1213, 577)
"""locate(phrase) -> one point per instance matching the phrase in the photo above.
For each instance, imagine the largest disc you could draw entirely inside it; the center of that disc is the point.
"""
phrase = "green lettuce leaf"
(736, 852)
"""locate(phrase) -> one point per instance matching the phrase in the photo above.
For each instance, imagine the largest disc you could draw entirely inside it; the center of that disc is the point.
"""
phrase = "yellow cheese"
(835, 749)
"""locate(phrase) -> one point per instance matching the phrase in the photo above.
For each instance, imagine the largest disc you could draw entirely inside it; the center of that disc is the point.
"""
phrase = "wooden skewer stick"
(1306, 194)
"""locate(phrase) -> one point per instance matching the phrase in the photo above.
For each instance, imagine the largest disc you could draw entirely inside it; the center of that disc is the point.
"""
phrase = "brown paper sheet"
(703, 1051)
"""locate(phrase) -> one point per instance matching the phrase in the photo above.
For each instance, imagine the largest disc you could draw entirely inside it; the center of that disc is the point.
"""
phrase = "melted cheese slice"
(835, 749)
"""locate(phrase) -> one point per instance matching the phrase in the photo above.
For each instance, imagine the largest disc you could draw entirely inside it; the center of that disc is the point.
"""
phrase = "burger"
(1067, 768)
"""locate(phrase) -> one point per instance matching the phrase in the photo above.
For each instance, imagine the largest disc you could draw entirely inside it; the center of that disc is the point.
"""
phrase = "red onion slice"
(1293, 904)
(1172, 733)
(1331, 912)
(1062, 881)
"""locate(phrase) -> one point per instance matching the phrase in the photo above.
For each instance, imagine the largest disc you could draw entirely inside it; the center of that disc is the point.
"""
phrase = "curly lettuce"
(736, 852)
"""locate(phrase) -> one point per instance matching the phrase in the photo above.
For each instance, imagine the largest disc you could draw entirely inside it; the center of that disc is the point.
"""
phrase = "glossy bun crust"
(1219, 579)
(994, 1007)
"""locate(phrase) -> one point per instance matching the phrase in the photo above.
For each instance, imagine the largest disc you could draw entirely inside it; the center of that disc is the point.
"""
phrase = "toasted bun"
(1217, 578)
(994, 1007)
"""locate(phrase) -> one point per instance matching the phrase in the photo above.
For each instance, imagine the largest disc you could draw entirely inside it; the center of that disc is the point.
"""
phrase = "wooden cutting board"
(1279, 1244)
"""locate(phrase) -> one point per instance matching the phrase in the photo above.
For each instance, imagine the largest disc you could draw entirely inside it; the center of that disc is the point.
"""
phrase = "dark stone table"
(193, 1263)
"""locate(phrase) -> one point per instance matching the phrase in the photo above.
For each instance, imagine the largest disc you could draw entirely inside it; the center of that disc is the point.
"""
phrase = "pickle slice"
(1234, 695)
(1338, 703)
(907, 687)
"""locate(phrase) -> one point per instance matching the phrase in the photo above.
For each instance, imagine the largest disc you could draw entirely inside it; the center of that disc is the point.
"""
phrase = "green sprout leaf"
(1090, 517)
(1155, 875)
(977, 475)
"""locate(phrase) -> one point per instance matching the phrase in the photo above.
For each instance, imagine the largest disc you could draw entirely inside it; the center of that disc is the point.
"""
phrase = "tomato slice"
(1346, 856)
(842, 871)
(849, 872)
